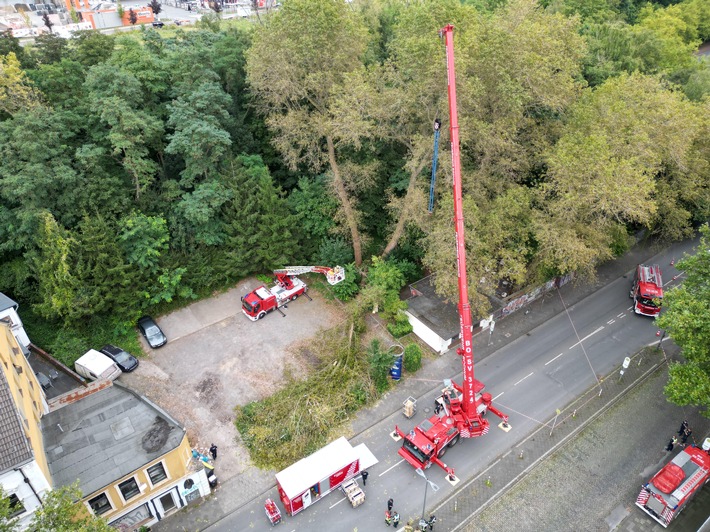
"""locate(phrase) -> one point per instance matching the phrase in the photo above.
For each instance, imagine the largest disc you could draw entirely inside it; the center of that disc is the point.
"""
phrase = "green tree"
(7, 522)
(61, 513)
(37, 175)
(295, 82)
(52, 267)
(48, 48)
(200, 137)
(316, 211)
(686, 318)
(16, 91)
(90, 47)
(60, 83)
(116, 97)
(144, 240)
(105, 282)
(380, 363)
(606, 168)
(132, 17)
(10, 43)
(257, 220)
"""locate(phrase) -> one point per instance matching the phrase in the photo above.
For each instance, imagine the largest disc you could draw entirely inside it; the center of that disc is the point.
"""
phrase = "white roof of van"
(97, 362)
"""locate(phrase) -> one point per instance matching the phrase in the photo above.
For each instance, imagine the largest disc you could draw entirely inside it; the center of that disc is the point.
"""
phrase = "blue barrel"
(398, 354)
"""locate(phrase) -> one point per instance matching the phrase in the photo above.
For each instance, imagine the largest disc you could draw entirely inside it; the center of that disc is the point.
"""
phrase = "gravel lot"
(216, 359)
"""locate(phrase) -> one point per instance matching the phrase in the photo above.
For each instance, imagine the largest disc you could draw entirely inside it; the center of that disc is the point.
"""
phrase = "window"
(156, 473)
(129, 488)
(16, 506)
(100, 505)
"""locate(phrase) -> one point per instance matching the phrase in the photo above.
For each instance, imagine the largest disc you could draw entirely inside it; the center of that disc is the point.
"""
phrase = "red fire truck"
(460, 409)
(647, 290)
(667, 493)
(288, 287)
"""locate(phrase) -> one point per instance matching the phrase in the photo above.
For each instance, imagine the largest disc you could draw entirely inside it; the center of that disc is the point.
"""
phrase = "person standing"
(388, 518)
(213, 451)
(683, 426)
(671, 443)
(364, 478)
(686, 434)
(390, 504)
(395, 519)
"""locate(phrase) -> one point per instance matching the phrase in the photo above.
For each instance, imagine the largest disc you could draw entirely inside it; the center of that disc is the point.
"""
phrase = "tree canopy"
(686, 318)
(150, 167)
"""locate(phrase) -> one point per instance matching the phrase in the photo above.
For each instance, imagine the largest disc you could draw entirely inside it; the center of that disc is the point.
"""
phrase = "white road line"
(549, 361)
(622, 315)
(391, 468)
(497, 396)
(610, 321)
(630, 308)
(583, 339)
(521, 380)
(337, 503)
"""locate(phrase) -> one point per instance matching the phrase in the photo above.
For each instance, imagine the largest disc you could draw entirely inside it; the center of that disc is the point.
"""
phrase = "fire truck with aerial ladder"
(288, 287)
(666, 494)
(461, 407)
(647, 290)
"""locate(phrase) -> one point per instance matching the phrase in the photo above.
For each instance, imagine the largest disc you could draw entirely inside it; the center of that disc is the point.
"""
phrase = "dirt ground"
(216, 358)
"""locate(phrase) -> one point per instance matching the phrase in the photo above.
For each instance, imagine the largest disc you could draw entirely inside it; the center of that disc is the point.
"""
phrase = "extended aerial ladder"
(463, 405)
(333, 275)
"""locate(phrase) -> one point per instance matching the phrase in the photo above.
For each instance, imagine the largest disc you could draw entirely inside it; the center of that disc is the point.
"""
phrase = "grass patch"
(305, 415)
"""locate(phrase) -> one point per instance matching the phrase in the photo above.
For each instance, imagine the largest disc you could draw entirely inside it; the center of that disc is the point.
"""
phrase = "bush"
(348, 287)
(380, 364)
(412, 358)
(400, 327)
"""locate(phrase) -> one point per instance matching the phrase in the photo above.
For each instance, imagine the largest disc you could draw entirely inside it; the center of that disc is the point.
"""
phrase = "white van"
(96, 366)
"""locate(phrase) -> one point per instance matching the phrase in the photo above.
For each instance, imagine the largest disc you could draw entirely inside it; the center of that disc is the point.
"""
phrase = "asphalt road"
(531, 378)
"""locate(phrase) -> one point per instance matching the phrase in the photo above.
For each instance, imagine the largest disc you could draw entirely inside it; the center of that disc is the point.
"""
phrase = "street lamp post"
(423, 522)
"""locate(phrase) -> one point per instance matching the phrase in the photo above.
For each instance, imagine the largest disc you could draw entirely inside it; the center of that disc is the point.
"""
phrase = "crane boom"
(333, 275)
(459, 409)
(466, 333)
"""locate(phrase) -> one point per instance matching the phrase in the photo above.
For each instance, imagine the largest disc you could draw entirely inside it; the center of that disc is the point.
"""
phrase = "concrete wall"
(433, 340)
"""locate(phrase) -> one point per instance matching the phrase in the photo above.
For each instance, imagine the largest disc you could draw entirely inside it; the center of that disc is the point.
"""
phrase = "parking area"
(216, 358)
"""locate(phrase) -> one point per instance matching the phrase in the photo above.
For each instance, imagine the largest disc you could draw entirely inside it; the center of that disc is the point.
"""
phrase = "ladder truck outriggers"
(460, 408)
(257, 303)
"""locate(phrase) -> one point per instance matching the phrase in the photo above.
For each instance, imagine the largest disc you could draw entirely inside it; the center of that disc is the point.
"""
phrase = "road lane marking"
(622, 315)
(337, 503)
(391, 468)
(558, 356)
(590, 334)
(497, 396)
(630, 308)
(521, 380)
(610, 321)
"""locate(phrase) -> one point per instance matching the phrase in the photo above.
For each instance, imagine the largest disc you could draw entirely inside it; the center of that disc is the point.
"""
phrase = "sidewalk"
(242, 490)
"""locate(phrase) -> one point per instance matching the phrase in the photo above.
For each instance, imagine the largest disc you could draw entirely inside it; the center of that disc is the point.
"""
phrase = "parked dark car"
(152, 332)
(123, 359)
(158, 23)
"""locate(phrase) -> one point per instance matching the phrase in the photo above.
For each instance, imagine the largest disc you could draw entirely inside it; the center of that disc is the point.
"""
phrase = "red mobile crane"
(462, 407)
(288, 287)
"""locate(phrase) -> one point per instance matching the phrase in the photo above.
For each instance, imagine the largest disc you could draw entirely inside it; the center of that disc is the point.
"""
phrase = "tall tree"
(687, 319)
(16, 91)
(116, 97)
(156, 7)
(298, 60)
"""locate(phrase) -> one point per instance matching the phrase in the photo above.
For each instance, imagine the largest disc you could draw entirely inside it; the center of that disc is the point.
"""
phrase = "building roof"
(298, 477)
(6, 302)
(105, 436)
(15, 448)
(440, 315)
